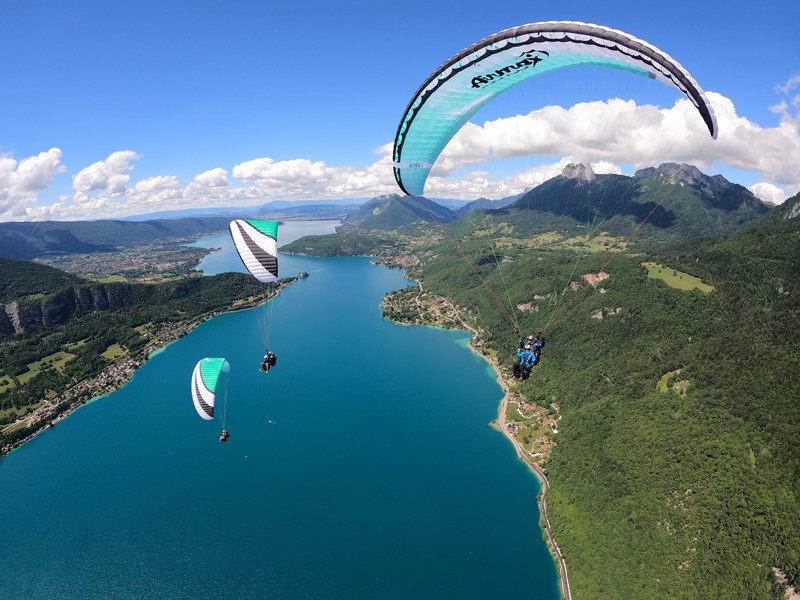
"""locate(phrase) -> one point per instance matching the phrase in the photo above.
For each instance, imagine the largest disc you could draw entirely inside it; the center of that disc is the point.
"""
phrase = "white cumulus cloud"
(22, 182)
(608, 134)
(613, 136)
(304, 179)
(107, 175)
(768, 192)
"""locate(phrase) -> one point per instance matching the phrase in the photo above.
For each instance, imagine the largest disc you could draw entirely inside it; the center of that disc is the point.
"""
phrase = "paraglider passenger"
(538, 344)
(523, 342)
(225, 435)
(270, 360)
(519, 363)
(527, 361)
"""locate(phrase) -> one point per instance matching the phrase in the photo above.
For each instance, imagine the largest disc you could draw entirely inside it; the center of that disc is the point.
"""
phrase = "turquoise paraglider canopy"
(476, 75)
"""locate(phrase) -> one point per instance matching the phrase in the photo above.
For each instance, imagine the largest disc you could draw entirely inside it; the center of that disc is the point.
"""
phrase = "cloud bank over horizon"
(612, 136)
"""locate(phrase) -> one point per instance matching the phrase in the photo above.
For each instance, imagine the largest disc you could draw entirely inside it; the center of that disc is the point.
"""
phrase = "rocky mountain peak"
(582, 172)
(683, 174)
(792, 208)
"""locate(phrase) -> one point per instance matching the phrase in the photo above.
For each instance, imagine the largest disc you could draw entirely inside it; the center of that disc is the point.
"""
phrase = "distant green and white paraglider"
(476, 75)
(207, 384)
(257, 244)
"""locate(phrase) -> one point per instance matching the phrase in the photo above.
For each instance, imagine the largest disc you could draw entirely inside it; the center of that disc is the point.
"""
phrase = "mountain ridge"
(392, 211)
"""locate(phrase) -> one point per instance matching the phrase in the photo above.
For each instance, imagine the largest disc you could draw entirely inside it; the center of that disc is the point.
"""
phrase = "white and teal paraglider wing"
(476, 75)
(257, 244)
(205, 380)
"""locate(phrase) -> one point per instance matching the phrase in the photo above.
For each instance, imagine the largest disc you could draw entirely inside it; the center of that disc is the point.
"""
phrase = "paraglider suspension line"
(557, 314)
(475, 270)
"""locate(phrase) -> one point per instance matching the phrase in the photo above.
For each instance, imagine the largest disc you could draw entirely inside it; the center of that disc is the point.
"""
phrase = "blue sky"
(109, 109)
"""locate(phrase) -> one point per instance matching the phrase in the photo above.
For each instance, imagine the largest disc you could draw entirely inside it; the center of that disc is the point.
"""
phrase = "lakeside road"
(501, 425)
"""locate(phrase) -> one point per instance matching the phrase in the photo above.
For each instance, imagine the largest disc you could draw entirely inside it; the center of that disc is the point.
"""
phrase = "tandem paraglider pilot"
(270, 360)
(528, 355)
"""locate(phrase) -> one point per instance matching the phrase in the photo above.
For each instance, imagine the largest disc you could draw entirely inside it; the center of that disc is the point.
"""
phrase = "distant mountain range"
(31, 240)
(273, 209)
(486, 204)
(27, 240)
(673, 200)
(392, 212)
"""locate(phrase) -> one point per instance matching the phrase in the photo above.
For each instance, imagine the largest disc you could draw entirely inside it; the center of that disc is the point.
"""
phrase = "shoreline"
(55, 411)
(500, 424)
(64, 408)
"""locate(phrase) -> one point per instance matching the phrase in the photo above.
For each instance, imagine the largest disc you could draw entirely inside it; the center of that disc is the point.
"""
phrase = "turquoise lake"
(362, 466)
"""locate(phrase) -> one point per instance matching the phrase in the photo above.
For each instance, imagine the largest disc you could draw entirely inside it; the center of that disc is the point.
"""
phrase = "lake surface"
(362, 466)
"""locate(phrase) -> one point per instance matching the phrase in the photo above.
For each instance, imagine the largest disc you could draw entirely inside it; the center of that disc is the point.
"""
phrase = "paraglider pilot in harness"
(270, 360)
(528, 355)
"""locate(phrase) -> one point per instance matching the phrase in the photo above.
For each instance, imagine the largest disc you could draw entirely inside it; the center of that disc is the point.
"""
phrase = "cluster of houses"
(546, 417)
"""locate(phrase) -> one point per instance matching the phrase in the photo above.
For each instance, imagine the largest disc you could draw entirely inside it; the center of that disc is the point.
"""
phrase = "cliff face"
(9, 319)
(77, 300)
(59, 307)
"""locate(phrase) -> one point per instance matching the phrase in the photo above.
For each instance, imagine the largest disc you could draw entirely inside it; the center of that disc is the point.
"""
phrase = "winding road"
(501, 420)
(501, 424)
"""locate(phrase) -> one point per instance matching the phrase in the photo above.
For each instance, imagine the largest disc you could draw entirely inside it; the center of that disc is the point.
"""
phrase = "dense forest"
(20, 278)
(690, 491)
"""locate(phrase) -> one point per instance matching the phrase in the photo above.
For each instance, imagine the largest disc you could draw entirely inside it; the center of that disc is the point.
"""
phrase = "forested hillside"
(673, 201)
(676, 470)
(394, 212)
(20, 278)
(354, 244)
(51, 341)
(31, 240)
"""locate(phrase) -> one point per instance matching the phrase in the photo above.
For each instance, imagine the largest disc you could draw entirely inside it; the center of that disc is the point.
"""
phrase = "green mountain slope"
(31, 240)
(674, 201)
(20, 278)
(393, 212)
(691, 490)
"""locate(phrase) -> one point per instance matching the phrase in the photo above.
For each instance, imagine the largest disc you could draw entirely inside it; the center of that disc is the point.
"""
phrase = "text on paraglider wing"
(531, 59)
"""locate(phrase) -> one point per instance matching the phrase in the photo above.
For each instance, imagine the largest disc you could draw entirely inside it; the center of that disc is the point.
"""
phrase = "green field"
(15, 426)
(597, 243)
(57, 361)
(6, 383)
(663, 383)
(676, 279)
(550, 237)
(111, 279)
(76, 345)
(531, 432)
(114, 352)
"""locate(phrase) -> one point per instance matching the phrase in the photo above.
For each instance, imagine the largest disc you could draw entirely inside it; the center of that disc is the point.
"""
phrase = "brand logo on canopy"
(530, 59)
